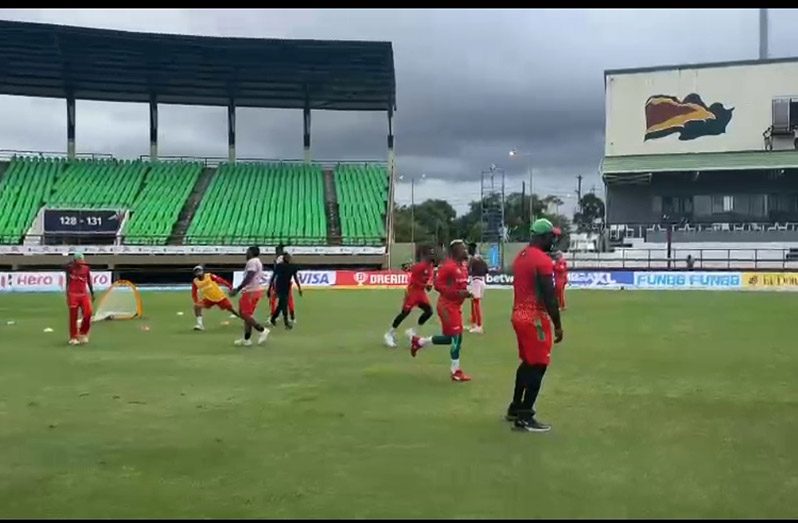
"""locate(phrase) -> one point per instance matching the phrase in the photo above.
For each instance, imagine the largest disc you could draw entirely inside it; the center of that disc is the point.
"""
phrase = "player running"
(560, 278)
(279, 253)
(251, 295)
(478, 271)
(283, 277)
(451, 282)
(534, 311)
(79, 295)
(206, 293)
(415, 294)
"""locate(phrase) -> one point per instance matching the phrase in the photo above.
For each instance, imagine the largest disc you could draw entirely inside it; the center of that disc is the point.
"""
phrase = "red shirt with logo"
(452, 278)
(530, 264)
(560, 272)
(420, 276)
(78, 276)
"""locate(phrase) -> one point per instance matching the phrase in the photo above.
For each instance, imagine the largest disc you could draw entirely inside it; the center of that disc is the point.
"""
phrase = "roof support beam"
(70, 104)
(231, 130)
(306, 132)
(153, 127)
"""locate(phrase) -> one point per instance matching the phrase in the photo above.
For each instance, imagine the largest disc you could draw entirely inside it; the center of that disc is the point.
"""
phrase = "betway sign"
(590, 279)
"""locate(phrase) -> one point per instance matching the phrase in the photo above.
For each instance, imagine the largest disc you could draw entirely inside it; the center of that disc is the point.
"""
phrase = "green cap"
(541, 226)
(77, 256)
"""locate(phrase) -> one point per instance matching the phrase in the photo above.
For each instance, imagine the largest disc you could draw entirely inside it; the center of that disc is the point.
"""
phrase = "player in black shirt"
(280, 285)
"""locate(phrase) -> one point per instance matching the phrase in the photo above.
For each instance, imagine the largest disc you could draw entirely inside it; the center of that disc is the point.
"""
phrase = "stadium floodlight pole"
(514, 153)
(412, 205)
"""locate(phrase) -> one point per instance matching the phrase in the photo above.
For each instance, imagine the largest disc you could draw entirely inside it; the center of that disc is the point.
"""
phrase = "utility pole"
(523, 206)
(579, 192)
(763, 34)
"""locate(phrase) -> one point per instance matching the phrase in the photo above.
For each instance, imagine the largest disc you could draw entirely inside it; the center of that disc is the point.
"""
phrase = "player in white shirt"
(252, 289)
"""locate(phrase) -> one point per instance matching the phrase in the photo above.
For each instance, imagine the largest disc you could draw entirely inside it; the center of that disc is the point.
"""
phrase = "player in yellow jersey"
(206, 293)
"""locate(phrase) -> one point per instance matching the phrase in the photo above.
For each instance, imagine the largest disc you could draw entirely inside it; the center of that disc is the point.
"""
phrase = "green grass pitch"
(663, 404)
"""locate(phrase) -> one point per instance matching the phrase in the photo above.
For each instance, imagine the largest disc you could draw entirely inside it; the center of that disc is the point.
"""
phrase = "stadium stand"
(158, 205)
(262, 203)
(362, 202)
(244, 203)
(24, 187)
(94, 184)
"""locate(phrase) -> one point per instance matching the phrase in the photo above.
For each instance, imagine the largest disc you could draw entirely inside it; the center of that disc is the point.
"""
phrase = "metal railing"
(703, 259)
(9, 154)
(142, 240)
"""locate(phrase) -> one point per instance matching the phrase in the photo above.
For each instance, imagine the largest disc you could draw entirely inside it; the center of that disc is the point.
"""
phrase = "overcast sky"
(471, 85)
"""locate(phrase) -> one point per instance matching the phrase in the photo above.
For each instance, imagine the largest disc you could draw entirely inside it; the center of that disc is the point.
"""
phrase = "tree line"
(437, 222)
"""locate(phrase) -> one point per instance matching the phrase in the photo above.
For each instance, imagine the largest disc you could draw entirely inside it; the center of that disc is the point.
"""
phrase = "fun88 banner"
(688, 280)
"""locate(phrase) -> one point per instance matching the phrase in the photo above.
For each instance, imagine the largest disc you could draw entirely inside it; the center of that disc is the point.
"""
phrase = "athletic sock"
(199, 321)
(455, 366)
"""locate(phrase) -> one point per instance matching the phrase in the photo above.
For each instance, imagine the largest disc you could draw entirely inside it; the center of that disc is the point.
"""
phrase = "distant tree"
(591, 208)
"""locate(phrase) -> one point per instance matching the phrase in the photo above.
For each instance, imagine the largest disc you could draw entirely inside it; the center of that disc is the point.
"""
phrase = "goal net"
(122, 301)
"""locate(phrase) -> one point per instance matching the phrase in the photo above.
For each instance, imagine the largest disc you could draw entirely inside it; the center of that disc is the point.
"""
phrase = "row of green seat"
(262, 203)
(98, 184)
(362, 192)
(167, 186)
(24, 186)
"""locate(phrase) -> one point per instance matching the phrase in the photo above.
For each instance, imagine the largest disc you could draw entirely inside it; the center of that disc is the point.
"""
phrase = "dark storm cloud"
(471, 85)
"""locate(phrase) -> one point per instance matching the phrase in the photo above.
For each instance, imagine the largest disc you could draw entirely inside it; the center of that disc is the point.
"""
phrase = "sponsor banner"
(582, 279)
(47, 281)
(688, 280)
(306, 278)
(597, 279)
(372, 279)
(771, 280)
(182, 249)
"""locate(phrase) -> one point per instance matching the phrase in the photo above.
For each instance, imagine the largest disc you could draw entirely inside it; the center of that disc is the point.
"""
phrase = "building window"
(728, 203)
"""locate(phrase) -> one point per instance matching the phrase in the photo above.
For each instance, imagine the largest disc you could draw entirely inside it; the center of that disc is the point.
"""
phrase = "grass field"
(663, 404)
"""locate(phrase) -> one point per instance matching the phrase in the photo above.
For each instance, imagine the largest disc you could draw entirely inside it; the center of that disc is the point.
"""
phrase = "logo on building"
(690, 117)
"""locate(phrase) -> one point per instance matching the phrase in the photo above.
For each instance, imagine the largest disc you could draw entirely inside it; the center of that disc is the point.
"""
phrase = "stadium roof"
(704, 65)
(120, 66)
(731, 161)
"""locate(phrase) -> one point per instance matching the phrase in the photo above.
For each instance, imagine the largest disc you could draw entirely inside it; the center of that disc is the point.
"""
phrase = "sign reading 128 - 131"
(86, 221)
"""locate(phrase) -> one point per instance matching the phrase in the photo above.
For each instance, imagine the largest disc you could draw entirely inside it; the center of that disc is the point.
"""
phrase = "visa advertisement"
(306, 278)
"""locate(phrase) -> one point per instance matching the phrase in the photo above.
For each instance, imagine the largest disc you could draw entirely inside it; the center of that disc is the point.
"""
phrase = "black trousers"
(282, 307)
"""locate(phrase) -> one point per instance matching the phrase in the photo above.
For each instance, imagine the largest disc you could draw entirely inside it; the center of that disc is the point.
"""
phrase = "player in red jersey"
(452, 284)
(534, 311)
(79, 295)
(415, 294)
(560, 278)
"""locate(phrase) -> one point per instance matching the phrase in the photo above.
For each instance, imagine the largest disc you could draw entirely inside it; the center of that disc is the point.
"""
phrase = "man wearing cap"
(535, 308)
(206, 293)
(452, 284)
(79, 295)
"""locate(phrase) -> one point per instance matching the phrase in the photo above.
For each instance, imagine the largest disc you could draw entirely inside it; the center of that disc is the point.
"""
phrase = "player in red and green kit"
(452, 284)
(535, 309)
(415, 294)
(79, 294)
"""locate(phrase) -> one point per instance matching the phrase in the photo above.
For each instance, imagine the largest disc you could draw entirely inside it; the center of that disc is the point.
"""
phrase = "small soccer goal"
(122, 301)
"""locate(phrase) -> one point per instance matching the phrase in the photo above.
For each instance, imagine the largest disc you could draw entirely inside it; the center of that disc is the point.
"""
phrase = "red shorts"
(223, 304)
(82, 301)
(273, 300)
(249, 302)
(415, 298)
(451, 317)
(534, 335)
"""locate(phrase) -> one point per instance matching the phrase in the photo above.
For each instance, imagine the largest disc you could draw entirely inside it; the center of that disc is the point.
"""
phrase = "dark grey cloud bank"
(472, 84)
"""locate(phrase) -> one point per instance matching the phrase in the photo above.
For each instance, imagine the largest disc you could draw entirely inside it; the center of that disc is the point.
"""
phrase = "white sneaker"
(390, 340)
(476, 330)
(263, 335)
(241, 342)
(199, 327)
(83, 340)
(74, 341)
(410, 333)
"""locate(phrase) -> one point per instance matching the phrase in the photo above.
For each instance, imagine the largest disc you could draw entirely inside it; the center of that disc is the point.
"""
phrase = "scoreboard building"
(703, 148)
